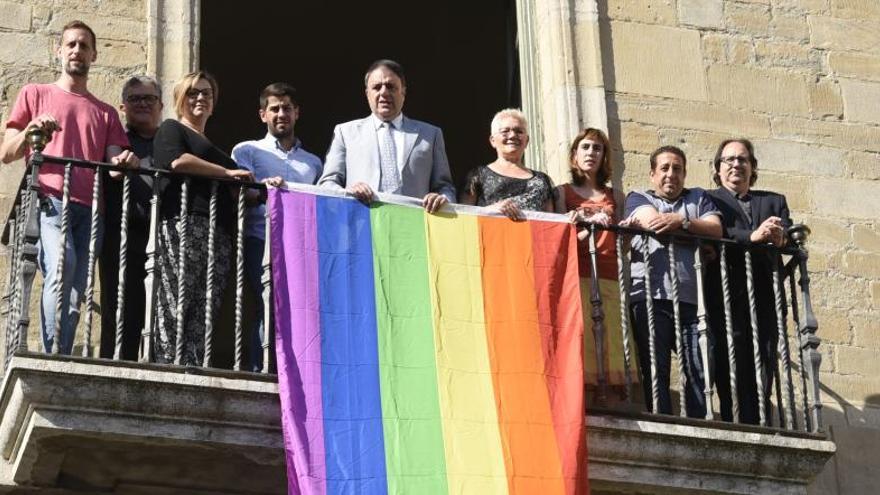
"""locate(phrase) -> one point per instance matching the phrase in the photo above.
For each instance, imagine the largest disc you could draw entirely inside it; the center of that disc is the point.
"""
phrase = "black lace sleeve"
(473, 183)
(546, 191)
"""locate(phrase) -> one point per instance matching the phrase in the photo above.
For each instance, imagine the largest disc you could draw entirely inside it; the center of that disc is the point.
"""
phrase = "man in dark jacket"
(755, 218)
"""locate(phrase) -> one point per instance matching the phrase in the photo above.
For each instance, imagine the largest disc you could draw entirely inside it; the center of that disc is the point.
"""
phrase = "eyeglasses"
(148, 99)
(733, 160)
(195, 92)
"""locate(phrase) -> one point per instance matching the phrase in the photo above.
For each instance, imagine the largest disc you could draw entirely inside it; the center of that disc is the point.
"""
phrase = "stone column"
(563, 86)
(172, 43)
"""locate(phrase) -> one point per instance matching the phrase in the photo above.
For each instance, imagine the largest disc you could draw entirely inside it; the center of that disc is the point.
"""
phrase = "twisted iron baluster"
(649, 307)
(753, 315)
(790, 269)
(623, 285)
(62, 254)
(679, 344)
(239, 279)
(15, 237)
(266, 279)
(12, 281)
(21, 225)
(728, 325)
(8, 293)
(123, 266)
(150, 286)
(183, 229)
(703, 330)
(15, 280)
(9, 298)
(781, 327)
(90, 277)
(598, 316)
(209, 291)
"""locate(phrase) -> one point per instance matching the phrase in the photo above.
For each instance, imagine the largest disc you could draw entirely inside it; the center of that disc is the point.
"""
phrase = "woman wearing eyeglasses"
(182, 147)
(589, 198)
(506, 185)
(751, 218)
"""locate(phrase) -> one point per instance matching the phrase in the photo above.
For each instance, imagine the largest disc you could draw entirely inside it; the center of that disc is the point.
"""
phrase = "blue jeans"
(664, 332)
(76, 266)
(253, 269)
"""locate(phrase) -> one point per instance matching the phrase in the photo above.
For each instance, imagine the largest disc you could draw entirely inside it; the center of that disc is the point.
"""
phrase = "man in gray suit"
(387, 152)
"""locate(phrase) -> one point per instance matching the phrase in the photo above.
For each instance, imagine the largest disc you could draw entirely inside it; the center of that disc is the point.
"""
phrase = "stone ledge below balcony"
(666, 455)
(73, 426)
(94, 426)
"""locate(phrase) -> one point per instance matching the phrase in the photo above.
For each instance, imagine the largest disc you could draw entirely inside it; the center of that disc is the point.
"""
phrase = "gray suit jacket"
(354, 157)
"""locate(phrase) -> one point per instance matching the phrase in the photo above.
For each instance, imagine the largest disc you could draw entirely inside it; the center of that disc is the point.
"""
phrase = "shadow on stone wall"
(855, 429)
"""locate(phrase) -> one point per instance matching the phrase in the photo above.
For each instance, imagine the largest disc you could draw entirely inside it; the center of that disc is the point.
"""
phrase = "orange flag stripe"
(529, 440)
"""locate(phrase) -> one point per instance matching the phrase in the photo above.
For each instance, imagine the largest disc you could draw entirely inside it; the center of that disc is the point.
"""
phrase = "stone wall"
(802, 79)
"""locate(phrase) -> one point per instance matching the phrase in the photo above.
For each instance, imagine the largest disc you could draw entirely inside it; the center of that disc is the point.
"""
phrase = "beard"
(75, 69)
(279, 134)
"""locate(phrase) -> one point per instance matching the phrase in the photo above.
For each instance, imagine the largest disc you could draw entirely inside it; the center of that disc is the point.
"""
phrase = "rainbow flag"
(426, 354)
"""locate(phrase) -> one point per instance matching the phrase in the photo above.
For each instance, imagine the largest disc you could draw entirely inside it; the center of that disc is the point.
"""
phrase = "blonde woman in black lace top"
(505, 184)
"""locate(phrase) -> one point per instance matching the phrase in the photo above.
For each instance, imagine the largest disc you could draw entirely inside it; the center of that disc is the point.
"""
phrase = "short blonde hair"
(508, 112)
(187, 82)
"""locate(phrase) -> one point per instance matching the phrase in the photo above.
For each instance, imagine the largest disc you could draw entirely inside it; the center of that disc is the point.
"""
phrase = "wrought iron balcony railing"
(792, 272)
(23, 233)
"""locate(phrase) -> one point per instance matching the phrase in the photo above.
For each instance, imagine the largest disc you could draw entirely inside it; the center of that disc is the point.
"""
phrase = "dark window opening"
(460, 58)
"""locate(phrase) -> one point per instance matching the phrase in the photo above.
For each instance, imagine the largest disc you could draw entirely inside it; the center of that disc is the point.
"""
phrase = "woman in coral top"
(589, 198)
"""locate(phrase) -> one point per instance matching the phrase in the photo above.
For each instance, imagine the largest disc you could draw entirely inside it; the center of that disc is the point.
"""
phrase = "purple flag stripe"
(295, 270)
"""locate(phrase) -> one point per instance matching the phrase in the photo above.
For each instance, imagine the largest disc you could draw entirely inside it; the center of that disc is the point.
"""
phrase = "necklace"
(200, 133)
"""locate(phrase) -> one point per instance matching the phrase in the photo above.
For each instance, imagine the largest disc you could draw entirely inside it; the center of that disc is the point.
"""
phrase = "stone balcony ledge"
(640, 453)
(95, 426)
(73, 425)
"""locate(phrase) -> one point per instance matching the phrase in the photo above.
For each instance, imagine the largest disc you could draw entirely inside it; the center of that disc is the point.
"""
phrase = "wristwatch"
(686, 224)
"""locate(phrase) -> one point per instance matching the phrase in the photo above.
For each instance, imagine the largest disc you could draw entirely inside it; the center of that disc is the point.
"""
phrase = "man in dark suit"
(749, 217)
(386, 151)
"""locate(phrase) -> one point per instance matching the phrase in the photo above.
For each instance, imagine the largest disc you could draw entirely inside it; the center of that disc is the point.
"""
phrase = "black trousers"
(746, 381)
(135, 294)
